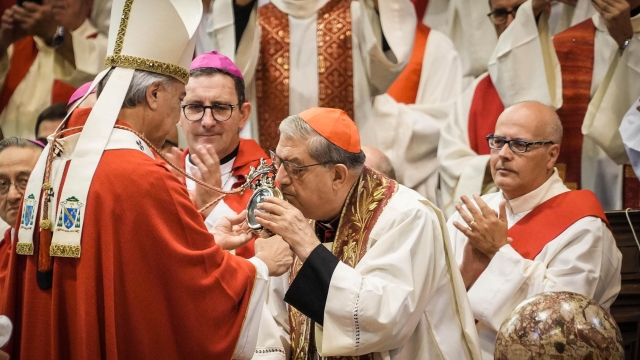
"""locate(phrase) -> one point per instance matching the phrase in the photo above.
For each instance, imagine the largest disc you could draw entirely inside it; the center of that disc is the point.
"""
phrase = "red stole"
(366, 201)
(575, 48)
(485, 109)
(24, 54)
(405, 89)
(249, 154)
(551, 218)
(335, 65)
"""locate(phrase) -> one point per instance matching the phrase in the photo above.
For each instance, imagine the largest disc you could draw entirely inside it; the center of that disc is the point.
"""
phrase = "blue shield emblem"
(69, 218)
(28, 212)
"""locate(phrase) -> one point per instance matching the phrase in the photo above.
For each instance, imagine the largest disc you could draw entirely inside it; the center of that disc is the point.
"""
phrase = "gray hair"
(320, 149)
(137, 92)
(19, 143)
(555, 130)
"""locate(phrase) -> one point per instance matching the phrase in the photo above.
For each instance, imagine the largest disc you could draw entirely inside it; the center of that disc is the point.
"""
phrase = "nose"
(282, 177)
(207, 119)
(505, 152)
(14, 194)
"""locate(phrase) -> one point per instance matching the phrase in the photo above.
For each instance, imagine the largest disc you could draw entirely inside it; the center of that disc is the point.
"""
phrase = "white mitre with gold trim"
(153, 35)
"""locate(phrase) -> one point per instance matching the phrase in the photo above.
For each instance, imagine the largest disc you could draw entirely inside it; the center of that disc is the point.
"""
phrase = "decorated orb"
(559, 325)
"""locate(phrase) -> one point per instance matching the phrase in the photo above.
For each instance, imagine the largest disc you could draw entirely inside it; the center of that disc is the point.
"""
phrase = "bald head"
(377, 160)
(516, 172)
(541, 119)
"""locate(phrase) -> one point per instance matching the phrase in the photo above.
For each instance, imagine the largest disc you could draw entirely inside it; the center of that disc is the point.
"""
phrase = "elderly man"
(462, 151)
(374, 275)
(594, 67)
(377, 160)
(216, 154)
(534, 235)
(111, 259)
(49, 120)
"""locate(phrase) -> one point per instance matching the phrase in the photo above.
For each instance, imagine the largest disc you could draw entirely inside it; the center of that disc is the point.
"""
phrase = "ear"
(152, 95)
(340, 174)
(554, 152)
(245, 111)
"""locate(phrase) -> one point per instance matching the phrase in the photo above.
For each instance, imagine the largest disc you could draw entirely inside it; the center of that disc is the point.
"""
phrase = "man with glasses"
(534, 235)
(463, 153)
(374, 276)
(214, 111)
(594, 69)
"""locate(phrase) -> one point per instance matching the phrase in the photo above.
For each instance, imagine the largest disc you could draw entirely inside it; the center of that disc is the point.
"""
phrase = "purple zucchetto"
(79, 93)
(216, 60)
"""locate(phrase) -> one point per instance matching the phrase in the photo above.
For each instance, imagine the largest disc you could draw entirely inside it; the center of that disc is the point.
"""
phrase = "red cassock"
(151, 282)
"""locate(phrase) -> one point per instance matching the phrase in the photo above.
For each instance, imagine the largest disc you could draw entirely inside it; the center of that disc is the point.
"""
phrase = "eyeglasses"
(220, 111)
(292, 169)
(517, 146)
(500, 16)
(20, 184)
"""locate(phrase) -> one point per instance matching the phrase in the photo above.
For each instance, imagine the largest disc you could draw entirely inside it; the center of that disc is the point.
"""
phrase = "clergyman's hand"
(485, 229)
(617, 17)
(175, 157)
(474, 262)
(274, 252)
(208, 165)
(35, 19)
(286, 220)
(231, 232)
(10, 32)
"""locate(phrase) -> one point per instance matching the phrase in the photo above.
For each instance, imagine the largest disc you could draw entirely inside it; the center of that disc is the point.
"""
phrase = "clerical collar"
(225, 159)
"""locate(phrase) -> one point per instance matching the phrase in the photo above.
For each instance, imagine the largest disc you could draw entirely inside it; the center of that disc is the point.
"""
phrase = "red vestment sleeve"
(150, 284)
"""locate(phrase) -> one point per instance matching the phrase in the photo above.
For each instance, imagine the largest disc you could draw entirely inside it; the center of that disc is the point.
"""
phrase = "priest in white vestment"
(61, 62)
(462, 164)
(379, 37)
(375, 277)
(614, 87)
(534, 235)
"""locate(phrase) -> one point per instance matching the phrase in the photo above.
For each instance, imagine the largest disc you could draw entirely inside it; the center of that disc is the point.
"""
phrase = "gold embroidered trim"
(24, 248)
(139, 63)
(122, 29)
(72, 251)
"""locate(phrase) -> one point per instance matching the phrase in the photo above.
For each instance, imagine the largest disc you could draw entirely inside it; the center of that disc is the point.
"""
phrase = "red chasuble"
(249, 154)
(551, 218)
(151, 282)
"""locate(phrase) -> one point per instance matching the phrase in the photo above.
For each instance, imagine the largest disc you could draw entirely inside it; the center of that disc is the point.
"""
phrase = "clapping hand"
(485, 229)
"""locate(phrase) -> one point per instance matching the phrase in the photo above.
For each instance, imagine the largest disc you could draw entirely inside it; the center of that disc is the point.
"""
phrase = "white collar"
(225, 168)
(527, 202)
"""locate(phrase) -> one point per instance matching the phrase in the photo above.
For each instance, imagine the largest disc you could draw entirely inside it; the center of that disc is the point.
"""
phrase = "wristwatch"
(58, 38)
(624, 45)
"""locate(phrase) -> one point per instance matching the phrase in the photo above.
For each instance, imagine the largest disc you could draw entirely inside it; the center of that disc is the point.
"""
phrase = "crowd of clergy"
(438, 162)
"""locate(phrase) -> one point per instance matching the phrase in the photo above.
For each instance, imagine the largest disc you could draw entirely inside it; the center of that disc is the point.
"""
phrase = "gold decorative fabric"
(272, 74)
(335, 56)
(365, 202)
(335, 65)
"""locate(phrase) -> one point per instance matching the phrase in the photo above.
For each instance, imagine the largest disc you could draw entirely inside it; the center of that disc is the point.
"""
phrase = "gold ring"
(471, 223)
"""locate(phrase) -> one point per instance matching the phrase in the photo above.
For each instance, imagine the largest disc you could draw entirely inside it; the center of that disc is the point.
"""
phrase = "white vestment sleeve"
(221, 209)
(408, 133)
(524, 65)
(397, 21)
(406, 276)
(574, 261)
(618, 90)
(472, 34)
(274, 342)
(461, 170)
(249, 334)
(629, 130)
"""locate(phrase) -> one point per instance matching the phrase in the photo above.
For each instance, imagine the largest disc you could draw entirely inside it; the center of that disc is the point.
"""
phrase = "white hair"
(137, 92)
